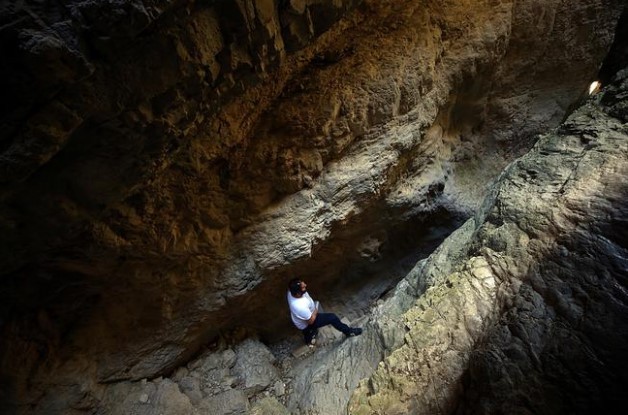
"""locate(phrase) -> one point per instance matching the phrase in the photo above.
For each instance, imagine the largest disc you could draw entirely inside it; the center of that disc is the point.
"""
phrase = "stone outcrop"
(166, 166)
(532, 319)
(520, 310)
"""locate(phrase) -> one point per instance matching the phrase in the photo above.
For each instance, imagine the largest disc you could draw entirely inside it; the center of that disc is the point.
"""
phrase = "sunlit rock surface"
(522, 310)
(533, 319)
(167, 166)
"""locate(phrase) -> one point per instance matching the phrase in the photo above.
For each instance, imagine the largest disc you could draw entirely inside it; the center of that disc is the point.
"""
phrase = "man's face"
(303, 286)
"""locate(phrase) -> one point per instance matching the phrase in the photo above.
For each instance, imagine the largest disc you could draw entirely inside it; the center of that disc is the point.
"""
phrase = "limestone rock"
(151, 398)
(167, 166)
(229, 402)
(190, 386)
(268, 406)
(254, 365)
(211, 373)
(530, 321)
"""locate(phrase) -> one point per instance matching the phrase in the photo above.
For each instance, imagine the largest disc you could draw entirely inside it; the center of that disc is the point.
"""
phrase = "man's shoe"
(355, 331)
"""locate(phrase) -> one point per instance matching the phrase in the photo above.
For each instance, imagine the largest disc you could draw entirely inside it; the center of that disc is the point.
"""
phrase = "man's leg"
(324, 319)
(309, 333)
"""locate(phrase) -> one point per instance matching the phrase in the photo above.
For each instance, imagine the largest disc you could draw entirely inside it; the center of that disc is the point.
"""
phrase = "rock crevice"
(166, 167)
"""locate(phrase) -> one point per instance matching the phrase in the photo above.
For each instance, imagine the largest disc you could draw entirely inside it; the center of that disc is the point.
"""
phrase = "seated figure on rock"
(305, 315)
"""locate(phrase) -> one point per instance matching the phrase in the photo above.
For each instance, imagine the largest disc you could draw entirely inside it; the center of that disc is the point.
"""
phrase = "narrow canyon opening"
(352, 290)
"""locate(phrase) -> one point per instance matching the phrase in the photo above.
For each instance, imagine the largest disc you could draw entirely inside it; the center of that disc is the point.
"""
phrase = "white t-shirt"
(301, 309)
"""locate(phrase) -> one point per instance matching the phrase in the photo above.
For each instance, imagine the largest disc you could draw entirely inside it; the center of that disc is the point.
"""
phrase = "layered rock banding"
(531, 319)
(167, 166)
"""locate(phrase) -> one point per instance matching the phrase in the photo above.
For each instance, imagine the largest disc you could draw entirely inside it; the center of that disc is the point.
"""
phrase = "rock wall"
(166, 166)
(520, 310)
(532, 318)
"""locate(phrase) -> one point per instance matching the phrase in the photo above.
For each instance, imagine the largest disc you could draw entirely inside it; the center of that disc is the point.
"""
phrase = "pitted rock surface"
(167, 166)
(533, 319)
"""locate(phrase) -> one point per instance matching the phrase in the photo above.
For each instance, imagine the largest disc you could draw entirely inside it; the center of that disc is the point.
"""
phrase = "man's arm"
(312, 317)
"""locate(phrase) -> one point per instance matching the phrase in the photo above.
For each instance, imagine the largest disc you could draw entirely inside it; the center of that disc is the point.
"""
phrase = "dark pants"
(324, 319)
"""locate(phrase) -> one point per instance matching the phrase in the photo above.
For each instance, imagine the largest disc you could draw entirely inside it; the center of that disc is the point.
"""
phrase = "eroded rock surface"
(167, 166)
(511, 314)
(533, 318)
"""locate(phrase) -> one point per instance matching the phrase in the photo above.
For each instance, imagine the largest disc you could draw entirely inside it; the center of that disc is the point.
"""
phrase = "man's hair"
(294, 286)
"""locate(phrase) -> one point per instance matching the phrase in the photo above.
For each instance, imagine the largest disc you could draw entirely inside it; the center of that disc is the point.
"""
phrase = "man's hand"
(312, 317)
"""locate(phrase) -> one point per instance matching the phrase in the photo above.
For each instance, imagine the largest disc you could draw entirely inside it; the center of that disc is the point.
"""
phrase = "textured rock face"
(515, 315)
(166, 165)
(533, 318)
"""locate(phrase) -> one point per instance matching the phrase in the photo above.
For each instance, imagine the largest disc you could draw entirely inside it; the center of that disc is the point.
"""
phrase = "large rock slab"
(254, 365)
(161, 396)
(533, 319)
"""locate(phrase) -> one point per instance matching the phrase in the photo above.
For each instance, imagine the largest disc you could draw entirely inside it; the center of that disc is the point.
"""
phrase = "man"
(305, 315)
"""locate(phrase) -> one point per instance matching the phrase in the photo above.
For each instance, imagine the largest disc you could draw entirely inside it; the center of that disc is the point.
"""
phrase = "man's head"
(296, 287)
